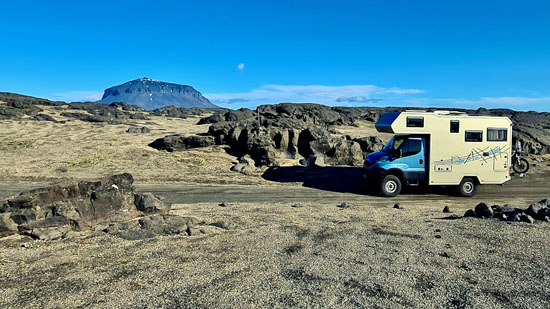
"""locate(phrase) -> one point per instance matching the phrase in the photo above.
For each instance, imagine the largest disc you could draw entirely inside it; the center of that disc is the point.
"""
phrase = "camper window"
(455, 126)
(473, 136)
(497, 135)
(416, 122)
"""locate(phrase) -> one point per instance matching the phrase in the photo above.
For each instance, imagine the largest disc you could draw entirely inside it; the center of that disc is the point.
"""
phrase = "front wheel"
(390, 186)
(521, 166)
(467, 187)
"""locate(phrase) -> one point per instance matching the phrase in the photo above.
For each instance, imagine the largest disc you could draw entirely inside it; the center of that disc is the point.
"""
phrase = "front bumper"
(373, 175)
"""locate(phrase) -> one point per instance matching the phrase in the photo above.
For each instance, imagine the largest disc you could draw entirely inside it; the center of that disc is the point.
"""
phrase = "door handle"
(421, 161)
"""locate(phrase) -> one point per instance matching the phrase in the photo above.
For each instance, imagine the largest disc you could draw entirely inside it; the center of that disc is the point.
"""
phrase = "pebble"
(344, 205)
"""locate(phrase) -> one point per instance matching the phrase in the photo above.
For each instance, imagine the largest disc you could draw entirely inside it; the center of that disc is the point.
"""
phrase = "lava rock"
(222, 224)
(369, 144)
(526, 218)
(483, 210)
(150, 203)
(470, 213)
(245, 165)
(446, 209)
(135, 130)
(179, 142)
(534, 209)
(46, 213)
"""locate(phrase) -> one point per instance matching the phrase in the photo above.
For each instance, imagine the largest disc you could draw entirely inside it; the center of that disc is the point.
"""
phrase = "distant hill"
(151, 94)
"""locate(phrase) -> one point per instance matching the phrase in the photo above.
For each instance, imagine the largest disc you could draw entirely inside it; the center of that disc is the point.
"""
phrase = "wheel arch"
(396, 172)
(473, 177)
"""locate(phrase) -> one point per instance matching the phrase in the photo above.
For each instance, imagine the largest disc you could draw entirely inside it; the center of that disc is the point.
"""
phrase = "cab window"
(411, 147)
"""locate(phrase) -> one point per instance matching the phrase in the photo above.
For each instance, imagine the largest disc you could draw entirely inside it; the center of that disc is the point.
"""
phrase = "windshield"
(394, 143)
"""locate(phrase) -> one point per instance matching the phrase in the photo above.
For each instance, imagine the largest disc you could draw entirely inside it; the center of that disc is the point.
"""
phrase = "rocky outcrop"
(17, 106)
(273, 132)
(51, 212)
(179, 142)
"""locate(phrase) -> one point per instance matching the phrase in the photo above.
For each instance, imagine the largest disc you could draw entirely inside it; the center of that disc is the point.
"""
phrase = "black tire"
(467, 187)
(521, 166)
(390, 186)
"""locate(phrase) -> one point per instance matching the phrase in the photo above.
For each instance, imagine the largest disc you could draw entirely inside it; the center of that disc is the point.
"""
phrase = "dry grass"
(33, 150)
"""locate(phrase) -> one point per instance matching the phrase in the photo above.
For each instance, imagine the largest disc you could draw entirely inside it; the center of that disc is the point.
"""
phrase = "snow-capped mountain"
(151, 94)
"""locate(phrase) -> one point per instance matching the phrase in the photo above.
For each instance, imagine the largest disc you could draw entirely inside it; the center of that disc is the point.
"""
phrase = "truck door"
(413, 157)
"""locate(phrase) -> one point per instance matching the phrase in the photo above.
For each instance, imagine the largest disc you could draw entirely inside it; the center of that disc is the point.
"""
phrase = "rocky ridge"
(110, 205)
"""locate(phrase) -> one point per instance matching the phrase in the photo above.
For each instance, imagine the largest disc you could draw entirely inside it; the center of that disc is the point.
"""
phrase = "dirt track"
(342, 184)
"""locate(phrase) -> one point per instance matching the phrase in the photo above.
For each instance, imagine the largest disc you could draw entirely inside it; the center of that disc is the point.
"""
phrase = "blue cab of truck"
(401, 161)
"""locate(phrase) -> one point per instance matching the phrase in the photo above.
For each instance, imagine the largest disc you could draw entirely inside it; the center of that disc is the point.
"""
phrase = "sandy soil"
(315, 255)
(318, 255)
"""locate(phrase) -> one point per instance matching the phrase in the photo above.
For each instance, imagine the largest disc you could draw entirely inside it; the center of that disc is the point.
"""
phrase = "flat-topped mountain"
(151, 94)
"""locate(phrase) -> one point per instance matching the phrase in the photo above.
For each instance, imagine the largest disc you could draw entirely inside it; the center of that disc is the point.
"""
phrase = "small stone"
(344, 205)
(483, 210)
(437, 236)
(222, 224)
(224, 204)
(503, 217)
(446, 209)
(295, 205)
(145, 223)
(470, 213)
(397, 206)
(547, 219)
(150, 203)
(514, 218)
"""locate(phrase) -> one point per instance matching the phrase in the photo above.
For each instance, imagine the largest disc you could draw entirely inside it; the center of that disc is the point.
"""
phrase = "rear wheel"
(390, 186)
(521, 166)
(467, 187)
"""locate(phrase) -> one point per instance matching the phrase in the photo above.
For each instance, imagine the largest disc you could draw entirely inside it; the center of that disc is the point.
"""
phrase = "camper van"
(441, 148)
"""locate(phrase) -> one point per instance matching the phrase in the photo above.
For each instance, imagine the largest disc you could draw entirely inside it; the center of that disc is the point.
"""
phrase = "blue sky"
(244, 53)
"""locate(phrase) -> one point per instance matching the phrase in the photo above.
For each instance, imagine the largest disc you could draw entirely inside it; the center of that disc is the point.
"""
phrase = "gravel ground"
(275, 255)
